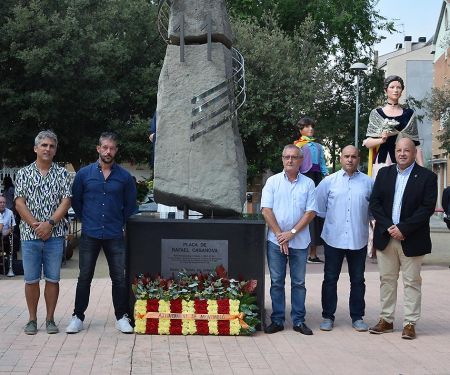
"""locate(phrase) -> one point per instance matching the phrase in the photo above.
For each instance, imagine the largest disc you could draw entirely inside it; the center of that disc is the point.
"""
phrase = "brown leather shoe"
(382, 327)
(409, 332)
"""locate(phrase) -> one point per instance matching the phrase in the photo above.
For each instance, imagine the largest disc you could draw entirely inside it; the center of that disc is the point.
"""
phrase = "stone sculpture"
(199, 156)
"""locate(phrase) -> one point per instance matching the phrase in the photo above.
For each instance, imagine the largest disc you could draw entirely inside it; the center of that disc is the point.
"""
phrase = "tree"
(79, 67)
(437, 107)
(285, 77)
(336, 121)
(345, 32)
(345, 28)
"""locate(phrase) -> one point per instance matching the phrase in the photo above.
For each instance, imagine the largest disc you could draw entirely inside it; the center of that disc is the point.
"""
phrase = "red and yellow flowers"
(197, 304)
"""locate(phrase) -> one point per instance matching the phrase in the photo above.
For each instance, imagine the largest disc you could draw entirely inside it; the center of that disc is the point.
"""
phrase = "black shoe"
(315, 260)
(303, 329)
(273, 328)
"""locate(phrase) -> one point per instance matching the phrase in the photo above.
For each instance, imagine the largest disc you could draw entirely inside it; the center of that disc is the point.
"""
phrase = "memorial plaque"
(192, 256)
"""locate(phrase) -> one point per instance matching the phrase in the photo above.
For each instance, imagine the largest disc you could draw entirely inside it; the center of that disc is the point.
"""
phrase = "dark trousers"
(356, 260)
(115, 255)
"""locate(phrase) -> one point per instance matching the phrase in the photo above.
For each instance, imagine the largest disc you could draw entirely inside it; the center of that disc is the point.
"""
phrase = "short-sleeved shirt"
(289, 201)
(5, 219)
(43, 195)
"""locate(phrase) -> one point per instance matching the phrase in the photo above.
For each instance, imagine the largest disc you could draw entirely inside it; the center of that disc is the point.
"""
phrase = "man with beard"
(104, 197)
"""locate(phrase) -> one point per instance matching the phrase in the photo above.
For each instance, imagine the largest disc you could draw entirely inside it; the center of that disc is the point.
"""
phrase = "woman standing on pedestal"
(387, 125)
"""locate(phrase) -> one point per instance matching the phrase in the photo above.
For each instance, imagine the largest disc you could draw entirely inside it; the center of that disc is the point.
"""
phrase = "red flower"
(176, 306)
(175, 326)
(201, 306)
(152, 326)
(202, 327)
(223, 306)
(223, 326)
(152, 305)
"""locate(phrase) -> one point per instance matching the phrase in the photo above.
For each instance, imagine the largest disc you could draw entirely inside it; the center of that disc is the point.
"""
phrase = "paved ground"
(100, 349)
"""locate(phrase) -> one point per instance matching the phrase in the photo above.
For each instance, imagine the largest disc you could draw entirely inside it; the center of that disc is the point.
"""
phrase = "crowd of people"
(389, 209)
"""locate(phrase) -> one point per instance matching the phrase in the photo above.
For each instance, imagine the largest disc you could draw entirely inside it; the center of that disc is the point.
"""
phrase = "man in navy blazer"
(402, 202)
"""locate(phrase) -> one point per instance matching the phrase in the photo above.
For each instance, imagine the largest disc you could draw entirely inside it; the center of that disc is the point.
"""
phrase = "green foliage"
(437, 107)
(340, 33)
(189, 287)
(348, 27)
(247, 307)
(336, 123)
(247, 8)
(79, 67)
(285, 76)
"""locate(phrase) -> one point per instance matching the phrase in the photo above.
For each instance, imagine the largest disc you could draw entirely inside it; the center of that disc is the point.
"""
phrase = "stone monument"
(199, 155)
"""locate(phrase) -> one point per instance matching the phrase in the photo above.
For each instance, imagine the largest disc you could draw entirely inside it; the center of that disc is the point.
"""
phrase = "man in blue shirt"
(343, 200)
(289, 205)
(104, 197)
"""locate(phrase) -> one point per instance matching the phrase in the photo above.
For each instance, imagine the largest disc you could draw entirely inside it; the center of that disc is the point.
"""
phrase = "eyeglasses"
(291, 157)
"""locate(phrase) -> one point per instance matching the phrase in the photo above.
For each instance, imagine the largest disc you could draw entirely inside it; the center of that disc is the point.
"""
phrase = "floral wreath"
(203, 304)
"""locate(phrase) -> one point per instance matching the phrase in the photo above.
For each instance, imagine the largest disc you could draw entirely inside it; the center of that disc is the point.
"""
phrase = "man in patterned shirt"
(42, 198)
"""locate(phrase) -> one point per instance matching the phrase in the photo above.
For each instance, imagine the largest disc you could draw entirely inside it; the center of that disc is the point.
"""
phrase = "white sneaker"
(75, 325)
(123, 325)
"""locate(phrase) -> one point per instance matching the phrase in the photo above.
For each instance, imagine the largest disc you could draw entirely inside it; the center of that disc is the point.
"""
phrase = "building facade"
(441, 76)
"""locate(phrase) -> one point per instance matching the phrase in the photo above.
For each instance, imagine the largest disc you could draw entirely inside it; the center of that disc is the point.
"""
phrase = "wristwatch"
(52, 223)
(293, 231)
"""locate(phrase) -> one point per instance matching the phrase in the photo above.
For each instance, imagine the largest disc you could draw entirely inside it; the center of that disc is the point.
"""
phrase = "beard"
(105, 160)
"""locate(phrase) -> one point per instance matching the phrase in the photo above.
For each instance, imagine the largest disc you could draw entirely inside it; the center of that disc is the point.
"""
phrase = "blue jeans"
(38, 254)
(356, 260)
(115, 255)
(277, 267)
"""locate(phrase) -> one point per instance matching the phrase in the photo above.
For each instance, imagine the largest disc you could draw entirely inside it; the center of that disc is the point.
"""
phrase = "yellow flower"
(189, 327)
(140, 325)
(212, 306)
(234, 306)
(235, 327)
(185, 324)
(164, 306)
(164, 326)
(140, 307)
(212, 325)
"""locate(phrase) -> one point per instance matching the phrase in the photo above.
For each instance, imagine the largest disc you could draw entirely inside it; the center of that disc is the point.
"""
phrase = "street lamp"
(358, 67)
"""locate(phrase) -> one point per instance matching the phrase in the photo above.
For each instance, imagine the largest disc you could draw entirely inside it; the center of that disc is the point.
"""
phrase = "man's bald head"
(350, 159)
(405, 141)
(350, 147)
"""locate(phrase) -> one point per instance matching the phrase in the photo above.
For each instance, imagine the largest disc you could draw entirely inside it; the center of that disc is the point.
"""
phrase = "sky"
(415, 18)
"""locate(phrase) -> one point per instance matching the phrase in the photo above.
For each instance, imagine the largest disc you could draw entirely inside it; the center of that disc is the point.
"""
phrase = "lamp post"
(358, 67)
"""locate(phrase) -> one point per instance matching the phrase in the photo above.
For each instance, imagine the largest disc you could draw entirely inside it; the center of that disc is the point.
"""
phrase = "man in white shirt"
(289, 204)
(343, 200)
(6, 215)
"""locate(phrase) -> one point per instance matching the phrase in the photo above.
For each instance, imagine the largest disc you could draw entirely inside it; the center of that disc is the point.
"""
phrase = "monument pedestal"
(156, 243)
